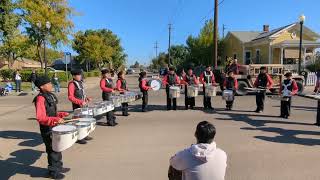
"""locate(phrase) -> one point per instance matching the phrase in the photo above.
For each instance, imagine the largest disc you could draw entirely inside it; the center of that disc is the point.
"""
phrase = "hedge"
(7, 74)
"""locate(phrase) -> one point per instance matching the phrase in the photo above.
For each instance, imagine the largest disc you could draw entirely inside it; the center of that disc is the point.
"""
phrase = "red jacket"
(165, 79)
(235, 83)
(103, 86)
(118, 86)
(42, 115)
(144, 85)
(71, 97)
(213, 81)
(294, 88)
(196, 82)
(269, 84)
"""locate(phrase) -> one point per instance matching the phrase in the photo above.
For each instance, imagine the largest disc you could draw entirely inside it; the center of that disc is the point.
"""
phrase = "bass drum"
(155, 84)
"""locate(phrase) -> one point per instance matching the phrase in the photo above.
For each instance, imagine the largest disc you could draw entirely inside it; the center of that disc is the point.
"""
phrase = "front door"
(248, 57)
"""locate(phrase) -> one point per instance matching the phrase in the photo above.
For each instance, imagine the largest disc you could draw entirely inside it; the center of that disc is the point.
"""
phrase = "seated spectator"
(201, 161)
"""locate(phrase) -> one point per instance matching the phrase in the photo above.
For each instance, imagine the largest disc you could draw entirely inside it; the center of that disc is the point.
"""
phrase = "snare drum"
(116, 100)
(174, 92)
(228, 95)
(192, 91)
(92, 122)
(210, 91)
(155, 84)
(84, 128)
(83, 113)
(63, 137)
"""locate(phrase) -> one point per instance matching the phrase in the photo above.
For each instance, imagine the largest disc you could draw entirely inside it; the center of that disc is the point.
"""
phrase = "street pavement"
(259, 146)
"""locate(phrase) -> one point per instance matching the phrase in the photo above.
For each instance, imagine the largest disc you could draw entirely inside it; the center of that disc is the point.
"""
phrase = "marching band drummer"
(190, 80)
(77, 96)
(288, 88)
(171, 79)
(263, 81)
(230, 83)
(48, 117)
(106, 86)
(207, 78)
(121, 86)
(144, 88)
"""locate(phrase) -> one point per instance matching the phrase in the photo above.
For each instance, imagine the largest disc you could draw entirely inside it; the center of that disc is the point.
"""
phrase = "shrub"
(314, 66)
(7, 74)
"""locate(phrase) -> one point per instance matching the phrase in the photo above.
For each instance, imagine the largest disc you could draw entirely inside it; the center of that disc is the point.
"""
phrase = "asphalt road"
(259, 146)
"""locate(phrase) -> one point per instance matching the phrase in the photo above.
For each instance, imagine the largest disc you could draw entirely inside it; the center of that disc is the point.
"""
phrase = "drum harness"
(286, 92)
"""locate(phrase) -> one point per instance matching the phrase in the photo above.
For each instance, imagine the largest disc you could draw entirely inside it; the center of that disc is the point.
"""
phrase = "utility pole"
(215, 34)
(170, 28)
(156, 47)
(223, 29)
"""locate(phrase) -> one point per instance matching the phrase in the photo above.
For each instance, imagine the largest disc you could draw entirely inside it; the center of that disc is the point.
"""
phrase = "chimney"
(265, 28)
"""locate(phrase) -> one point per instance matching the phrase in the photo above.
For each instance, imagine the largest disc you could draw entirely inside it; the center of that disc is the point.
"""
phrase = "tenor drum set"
(228, 95)
(210, 91)
(84, 123)
(174, 92)
(192, 91)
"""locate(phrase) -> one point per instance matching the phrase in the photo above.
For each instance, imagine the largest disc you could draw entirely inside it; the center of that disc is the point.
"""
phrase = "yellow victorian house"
(278, 46)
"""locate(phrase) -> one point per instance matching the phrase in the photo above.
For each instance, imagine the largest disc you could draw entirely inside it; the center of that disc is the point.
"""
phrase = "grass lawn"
(27, 85)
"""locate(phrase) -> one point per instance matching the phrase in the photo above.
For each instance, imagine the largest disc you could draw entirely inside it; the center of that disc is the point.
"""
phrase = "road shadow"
(286, 136)
(302, 108)
(21, 161)
(255, 122)
(31, 139)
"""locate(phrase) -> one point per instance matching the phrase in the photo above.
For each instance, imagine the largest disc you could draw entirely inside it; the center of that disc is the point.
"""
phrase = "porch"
(287, 53)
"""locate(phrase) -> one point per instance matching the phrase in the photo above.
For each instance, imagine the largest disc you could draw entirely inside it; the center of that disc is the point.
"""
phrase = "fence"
(311, 79)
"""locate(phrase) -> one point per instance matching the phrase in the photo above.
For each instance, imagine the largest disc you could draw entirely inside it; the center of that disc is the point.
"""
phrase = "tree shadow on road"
(302, 108)
(286, 136)
(21, 161)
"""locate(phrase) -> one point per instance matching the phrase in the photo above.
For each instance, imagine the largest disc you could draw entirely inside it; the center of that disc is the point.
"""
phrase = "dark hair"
(104, 71)
(142, 74)
(171, 68)
(288, 74)
(205, 132)
(263, 68)
(229, 72)
(208, 66)
(120, 73)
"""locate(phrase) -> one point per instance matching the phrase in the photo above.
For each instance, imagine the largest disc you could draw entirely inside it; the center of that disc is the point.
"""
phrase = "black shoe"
(192, 107)
(211, 108)
(82, 141)
(186, 108)
(286, 117)
(316, 124)
(88, 138)
(56, 175)
(125, 114)
(144, 110)
(65, 170)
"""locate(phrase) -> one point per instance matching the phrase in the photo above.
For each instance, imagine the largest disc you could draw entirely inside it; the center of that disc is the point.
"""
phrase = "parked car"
(51, 69)
(130, 71)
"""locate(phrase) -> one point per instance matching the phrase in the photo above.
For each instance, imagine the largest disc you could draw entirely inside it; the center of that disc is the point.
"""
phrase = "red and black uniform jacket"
(263, 81)
(76, 93)
(207, 77)
(46, 111)
(106, 87)
(190, 79)
(143, 85)
(170, 80)
(231, 83)
(121, 85)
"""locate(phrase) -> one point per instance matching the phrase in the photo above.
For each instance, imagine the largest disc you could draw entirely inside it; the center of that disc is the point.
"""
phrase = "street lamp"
(47, 26)
(302, 18)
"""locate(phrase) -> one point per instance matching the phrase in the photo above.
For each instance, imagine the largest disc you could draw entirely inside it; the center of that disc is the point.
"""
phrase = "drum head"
(64, 128)
(155, 84)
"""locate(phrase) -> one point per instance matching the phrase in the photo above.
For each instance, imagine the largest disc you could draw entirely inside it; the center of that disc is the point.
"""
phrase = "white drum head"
(155, 84)
(64, 128)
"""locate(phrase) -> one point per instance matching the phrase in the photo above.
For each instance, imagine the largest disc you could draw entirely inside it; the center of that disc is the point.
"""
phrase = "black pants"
(75, 106)
(260, 97)
(124, 107)
(111, 118)
(171, 102)
(229, 104)
(54, 158)
(206, 100)
(144, 99)
(189, 101)
(285, 108)
(318, 113)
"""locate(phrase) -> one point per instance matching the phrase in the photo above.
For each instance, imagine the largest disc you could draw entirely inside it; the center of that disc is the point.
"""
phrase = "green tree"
(12, 42)
(179, 55)
(100, 48)
(57, 12)
(136, 65)
(160, 61)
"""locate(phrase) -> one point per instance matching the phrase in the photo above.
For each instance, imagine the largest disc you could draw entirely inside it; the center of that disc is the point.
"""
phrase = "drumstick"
(71, 120)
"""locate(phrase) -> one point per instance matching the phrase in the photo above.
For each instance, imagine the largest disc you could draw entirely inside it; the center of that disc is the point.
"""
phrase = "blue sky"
(140, 23)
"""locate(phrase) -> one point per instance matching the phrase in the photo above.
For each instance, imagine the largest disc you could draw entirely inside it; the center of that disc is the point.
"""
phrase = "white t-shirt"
(201, 162)
(18, 77)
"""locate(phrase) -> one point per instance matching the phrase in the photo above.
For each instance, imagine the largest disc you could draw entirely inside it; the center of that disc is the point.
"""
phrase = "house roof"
(272, 32)
(245, 36)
